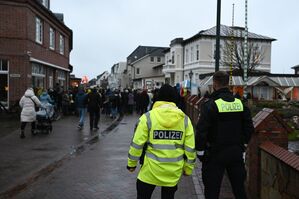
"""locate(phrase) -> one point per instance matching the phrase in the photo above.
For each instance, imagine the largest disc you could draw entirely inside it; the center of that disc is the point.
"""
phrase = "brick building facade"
(35, 45)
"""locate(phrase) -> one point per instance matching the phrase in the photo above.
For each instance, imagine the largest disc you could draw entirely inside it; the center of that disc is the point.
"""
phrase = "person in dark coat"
(94, 101)
(224, 128)
(144, 101)
(81, 104)
(114, 100)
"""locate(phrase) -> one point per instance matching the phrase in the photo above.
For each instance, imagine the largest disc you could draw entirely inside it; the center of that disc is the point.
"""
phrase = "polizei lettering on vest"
(168, 134)
(231, 107)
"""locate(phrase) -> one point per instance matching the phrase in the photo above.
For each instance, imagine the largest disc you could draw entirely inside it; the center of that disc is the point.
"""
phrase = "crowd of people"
(95, 101)
(164, 131)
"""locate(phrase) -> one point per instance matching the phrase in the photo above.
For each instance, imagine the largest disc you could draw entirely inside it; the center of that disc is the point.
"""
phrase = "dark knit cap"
(167, 93)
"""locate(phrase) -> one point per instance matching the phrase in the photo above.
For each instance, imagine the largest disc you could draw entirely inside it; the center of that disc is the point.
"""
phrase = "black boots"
(22, 135)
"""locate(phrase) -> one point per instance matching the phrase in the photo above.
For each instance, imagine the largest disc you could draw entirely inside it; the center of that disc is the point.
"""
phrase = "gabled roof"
(141, 51)
(226, 31)
(256, 81)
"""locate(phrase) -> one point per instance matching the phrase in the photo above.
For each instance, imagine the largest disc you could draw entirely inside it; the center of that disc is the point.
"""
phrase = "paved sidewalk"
(22, 158)
(99, 172)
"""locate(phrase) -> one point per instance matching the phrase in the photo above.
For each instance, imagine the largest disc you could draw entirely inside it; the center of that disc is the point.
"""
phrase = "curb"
(43, 172)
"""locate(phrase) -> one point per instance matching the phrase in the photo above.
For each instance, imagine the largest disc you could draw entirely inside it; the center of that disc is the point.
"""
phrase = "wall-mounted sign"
(14, 75)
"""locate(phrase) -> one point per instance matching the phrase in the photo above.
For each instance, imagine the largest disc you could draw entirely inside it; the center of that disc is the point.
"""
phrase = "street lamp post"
(217, 55)
(245, 68)
(190, 76)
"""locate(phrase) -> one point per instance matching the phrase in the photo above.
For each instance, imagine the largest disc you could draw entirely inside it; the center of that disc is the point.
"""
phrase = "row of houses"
(190, 62)
(35, 45)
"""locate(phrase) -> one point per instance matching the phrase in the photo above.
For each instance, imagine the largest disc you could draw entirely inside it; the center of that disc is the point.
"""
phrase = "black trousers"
(23, 125)
(214, 166)
(94, 116)
(144, 191)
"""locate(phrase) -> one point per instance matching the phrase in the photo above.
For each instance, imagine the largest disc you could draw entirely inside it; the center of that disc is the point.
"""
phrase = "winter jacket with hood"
(28, 103)
(170, 151)
(45, 98)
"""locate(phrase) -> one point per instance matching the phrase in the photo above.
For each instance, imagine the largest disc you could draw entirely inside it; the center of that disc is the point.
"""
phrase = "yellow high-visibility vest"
(225, 107)
(171, 145)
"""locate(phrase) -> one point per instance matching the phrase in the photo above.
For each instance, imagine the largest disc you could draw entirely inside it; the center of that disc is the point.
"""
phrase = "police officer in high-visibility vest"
(224, 128)
(168, 134)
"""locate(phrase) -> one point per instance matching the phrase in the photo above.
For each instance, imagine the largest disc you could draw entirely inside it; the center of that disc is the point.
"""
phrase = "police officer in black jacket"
(224, 127)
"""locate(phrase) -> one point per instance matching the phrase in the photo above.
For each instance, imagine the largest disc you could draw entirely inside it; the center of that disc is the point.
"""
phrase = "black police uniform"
(222, 136)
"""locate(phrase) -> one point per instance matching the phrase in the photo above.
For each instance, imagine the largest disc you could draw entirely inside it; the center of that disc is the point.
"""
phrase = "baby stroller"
(44, 118)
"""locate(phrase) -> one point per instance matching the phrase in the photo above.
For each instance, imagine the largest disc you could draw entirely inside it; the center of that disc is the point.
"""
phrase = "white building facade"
(196, 54)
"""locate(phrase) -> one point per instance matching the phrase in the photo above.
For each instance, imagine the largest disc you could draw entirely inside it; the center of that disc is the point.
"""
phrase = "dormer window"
(46, 3)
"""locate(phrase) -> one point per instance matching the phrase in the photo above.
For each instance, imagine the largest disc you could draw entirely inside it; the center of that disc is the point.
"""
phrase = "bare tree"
(233, 54)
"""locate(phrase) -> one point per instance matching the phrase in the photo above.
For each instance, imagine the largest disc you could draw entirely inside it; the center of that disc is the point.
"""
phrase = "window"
(197, 52)
(38, 69)
(152, 59)
(38, 75)
(137, 71)
(52, 38)
(192, 54)
(172, 57)
(158, 59)
(187, 56)
(3, 65)
(45, 3)
(61, 77)
(61, 44)
(38, 30)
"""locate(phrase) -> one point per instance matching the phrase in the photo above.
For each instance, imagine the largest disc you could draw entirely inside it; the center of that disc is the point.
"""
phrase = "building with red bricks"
(35, 45)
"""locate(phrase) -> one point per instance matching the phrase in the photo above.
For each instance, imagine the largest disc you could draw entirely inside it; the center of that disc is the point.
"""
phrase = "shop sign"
(14, 75)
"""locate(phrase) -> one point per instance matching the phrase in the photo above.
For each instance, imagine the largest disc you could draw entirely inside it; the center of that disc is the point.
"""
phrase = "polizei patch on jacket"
(168, 135)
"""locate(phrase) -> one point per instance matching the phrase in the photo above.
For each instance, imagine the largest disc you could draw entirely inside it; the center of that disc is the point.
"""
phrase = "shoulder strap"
(32, 101)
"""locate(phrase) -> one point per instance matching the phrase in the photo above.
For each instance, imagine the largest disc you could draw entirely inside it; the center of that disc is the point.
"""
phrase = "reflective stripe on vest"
(136, 146)
(163, 146)
(226, 107)
(170, 147)
(154, 157)
(149, 122)
(132, 157)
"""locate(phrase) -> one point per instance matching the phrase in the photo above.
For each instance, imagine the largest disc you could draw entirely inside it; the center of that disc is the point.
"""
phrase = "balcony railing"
(168, 68)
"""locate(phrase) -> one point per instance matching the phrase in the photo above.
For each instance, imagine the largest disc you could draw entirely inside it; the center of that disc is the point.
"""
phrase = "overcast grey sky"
(107, 31)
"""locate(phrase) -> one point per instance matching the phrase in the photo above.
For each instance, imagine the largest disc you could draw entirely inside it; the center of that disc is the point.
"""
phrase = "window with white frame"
(61, 77)
(52, 38)
(197, 52)
(38, 76)
(45, 3)
(38, 69)
(152, 59)
(158, 59)
(61, 44)
(137, 71)
(38, 30)
(3, 65)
